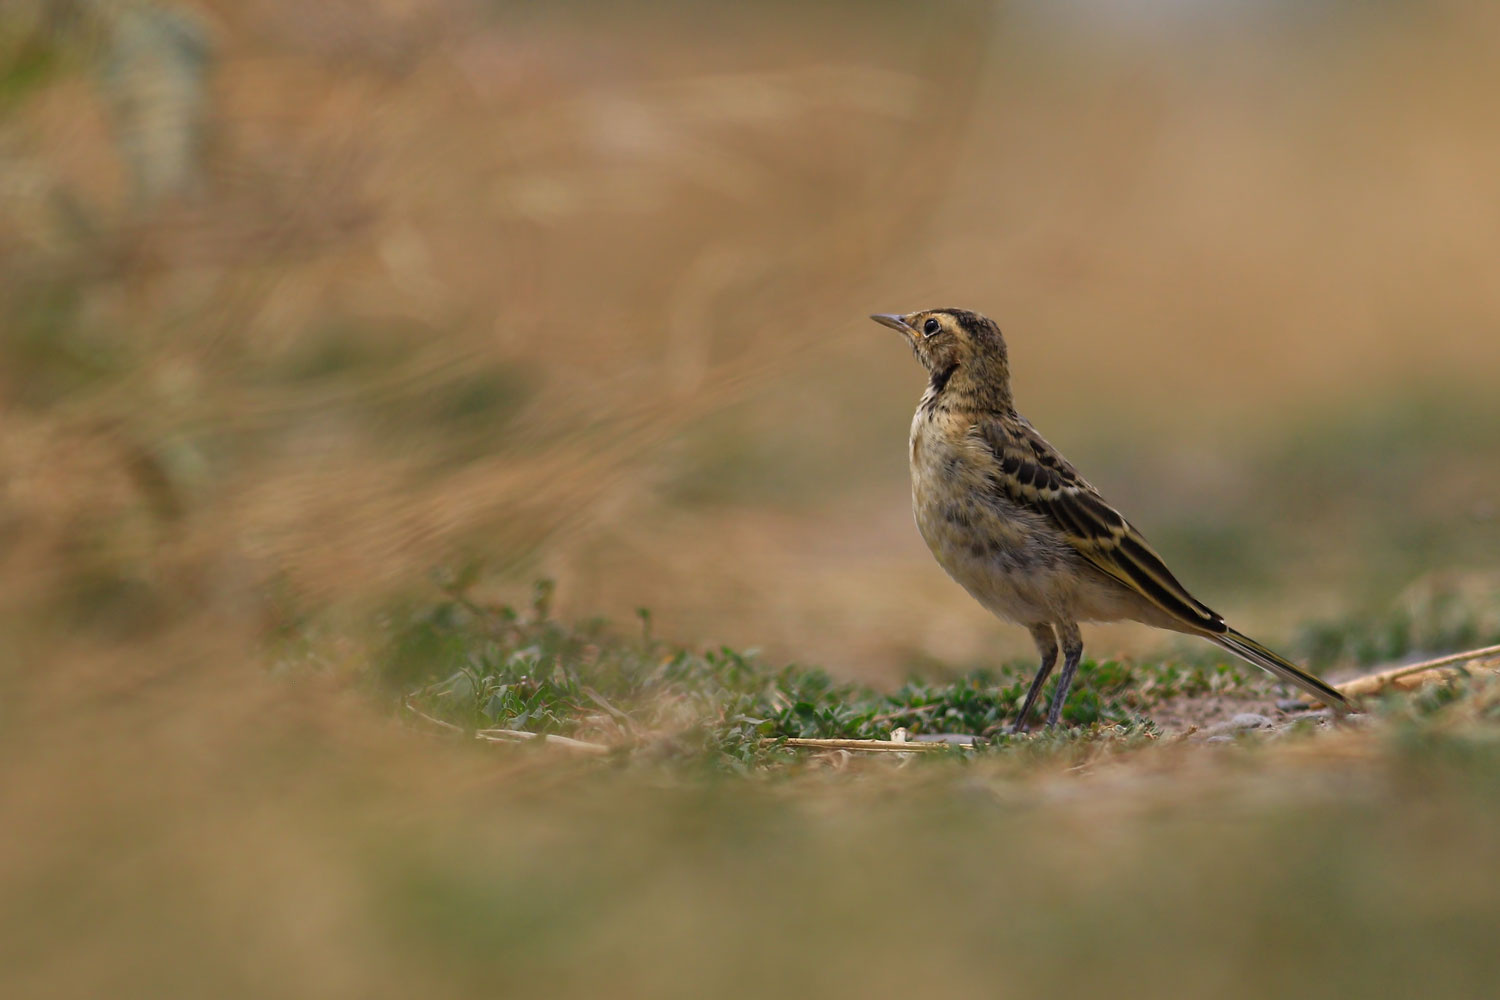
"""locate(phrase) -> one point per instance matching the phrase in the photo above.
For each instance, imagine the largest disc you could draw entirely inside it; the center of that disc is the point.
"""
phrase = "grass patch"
(25, 67)
(47, 352)
(1439, 614)
(479, 666)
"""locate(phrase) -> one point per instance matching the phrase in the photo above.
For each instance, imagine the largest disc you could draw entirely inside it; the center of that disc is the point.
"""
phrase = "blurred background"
(301, 304)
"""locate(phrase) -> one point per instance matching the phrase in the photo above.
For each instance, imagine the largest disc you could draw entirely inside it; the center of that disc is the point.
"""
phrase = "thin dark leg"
(1072, 644)
(1046, 644)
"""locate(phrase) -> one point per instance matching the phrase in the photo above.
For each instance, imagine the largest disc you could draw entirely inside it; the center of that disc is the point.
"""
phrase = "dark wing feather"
(1028, 472)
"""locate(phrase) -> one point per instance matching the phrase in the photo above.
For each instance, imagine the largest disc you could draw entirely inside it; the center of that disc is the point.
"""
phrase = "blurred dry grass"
(477, 284)
(583, 295)
(572, 291)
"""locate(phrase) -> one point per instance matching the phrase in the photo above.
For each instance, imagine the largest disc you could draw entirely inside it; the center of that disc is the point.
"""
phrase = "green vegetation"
(480, 666)
(26, 64)
(1438, 614)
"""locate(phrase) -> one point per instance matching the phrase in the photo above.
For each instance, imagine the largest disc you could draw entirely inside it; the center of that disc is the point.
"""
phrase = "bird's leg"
(1072, 644)
(1046, 644)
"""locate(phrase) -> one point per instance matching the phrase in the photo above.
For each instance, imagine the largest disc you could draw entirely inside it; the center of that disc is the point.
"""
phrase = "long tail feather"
(1248, 649)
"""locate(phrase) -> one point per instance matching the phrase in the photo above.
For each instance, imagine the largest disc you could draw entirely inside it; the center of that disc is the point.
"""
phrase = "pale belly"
(1012, 560)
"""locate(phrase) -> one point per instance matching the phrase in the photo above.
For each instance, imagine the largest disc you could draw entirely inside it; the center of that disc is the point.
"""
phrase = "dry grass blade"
(521, 736)
(1415, 675)
(439, 723)
(877, 746)
(511, 735)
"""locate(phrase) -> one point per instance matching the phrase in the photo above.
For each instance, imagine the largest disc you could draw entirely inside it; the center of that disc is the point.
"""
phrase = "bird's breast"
(1008, 556)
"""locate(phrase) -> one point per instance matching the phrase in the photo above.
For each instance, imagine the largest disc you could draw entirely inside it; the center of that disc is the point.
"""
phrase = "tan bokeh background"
(582, 294)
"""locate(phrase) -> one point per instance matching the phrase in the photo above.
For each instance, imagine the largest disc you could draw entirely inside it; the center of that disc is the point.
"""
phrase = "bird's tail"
(1248, 649)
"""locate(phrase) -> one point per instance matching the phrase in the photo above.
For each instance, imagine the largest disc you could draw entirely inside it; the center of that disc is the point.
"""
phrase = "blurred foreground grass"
(291, 841)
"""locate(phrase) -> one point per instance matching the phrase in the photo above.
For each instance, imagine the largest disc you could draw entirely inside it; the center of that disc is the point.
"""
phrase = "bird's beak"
(894, 322)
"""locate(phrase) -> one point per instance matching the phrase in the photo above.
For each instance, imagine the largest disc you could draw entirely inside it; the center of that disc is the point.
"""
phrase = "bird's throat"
(940, 379)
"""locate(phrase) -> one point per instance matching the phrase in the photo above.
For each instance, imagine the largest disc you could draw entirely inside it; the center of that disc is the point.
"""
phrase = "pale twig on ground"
(510, 735)
(1408, 677)
(521, 736)
(414, 710)
(878, 746)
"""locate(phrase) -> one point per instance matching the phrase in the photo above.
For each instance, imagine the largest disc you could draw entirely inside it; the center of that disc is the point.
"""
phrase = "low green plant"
(478, 666)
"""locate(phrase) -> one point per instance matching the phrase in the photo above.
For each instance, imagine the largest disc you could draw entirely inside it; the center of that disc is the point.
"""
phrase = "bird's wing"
(1029, 472)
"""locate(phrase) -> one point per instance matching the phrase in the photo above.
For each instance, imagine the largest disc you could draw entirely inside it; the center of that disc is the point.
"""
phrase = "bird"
(1014, 523)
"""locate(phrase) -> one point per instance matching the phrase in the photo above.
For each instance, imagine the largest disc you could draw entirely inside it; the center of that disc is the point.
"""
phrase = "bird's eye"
(931, 327)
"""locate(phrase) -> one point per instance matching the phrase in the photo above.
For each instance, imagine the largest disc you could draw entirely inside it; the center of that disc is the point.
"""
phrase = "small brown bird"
(1016, 525)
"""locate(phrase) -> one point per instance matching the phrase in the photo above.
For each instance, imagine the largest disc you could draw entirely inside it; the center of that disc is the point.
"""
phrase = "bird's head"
(962, 351)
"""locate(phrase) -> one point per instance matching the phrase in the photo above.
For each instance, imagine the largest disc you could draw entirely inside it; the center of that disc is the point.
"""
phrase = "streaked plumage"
(1014, 523)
